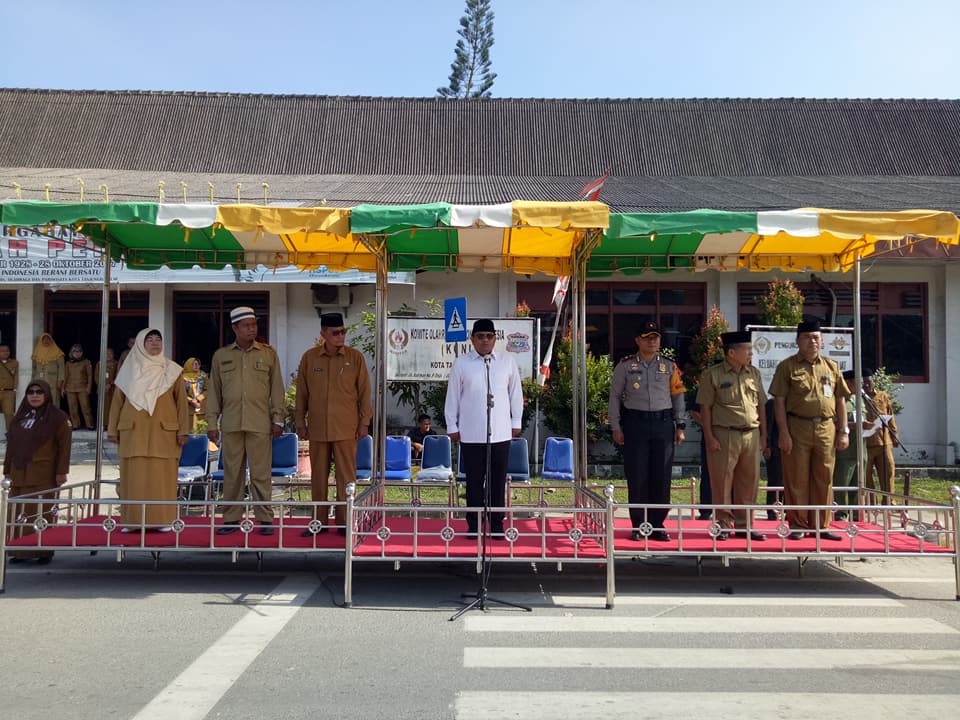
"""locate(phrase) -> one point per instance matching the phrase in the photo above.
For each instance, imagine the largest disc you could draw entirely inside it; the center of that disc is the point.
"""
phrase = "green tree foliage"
(706, 348)
(557, 399)
(887, 382)
(781, 305)
(470, 75)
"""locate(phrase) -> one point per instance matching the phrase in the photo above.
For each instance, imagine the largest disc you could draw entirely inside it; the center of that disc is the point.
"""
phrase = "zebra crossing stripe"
(713, 625)
(710, 658)
(505, 705)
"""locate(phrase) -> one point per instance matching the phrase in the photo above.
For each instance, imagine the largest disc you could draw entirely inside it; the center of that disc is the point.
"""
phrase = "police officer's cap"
(808, 326)
(648, 329)
(734, 338)
(331, 320)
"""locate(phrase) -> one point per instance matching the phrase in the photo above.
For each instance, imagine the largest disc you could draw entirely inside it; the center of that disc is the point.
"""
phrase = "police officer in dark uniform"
(647, 418)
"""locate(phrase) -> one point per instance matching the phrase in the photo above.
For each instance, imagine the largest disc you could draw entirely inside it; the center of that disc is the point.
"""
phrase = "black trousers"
(648, 464)
(474, 459)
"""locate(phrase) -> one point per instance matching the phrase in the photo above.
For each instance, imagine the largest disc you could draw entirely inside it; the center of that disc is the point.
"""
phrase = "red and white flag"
(591, 191)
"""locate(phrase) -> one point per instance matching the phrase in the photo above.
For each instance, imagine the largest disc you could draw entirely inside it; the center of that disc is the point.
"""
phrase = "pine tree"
(471, 76)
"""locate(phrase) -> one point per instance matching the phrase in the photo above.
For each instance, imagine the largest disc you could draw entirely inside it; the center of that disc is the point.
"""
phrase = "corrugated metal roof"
(308, 135)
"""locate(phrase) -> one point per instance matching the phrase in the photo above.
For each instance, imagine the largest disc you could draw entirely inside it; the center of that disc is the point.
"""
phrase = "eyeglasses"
(341, 331)
(485, 336)
(35, 391)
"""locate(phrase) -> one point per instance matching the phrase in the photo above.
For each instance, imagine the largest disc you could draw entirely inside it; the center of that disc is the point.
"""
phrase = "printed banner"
(772, 345)
(416, 350)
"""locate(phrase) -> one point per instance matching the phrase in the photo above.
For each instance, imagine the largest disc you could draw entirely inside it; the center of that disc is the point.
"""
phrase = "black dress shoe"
(660, 536)
(16, 560)
(754, 535)
(228, 528)
(830, 536)
(636, 536)
(797, 535)
(266, 528)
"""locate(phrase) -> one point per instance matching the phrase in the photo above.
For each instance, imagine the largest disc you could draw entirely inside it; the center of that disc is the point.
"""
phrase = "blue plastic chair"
(192, 470)
(436, 463)
(283, 462)
(365, 458)
(397, 458)
(558, 459)
(518, 461)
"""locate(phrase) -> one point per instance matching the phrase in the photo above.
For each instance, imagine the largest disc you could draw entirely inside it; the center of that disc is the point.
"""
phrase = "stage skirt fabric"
(148, 478)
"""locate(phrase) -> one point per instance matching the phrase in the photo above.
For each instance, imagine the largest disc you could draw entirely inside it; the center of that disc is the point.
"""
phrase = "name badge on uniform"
(827, 388)
(661, 368)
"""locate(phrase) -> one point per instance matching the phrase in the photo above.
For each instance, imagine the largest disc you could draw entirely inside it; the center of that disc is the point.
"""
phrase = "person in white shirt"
(466, 416)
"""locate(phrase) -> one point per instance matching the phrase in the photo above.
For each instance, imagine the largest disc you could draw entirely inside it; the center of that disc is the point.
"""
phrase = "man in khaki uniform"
(333, 410)
(809, 401)
(734, 420)
(880, 445)
(246, 396)
(9, 378)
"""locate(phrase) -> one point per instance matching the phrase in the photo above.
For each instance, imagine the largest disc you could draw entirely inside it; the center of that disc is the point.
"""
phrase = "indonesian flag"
(560, 290)
(591, 191)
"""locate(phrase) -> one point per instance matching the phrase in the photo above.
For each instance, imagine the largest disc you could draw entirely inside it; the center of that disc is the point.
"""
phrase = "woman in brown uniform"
(195, 382)
(148, 417)
(37, 460)
(77, 384)
(48, 365)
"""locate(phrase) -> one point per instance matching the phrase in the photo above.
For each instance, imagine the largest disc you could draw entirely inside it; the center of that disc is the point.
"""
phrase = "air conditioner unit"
(331, 296)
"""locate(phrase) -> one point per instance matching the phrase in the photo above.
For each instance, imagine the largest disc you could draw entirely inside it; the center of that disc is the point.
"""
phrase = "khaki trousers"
(734, 473)
(8, 407)
(239, 450)
(344, 456)
(880, 458)
(808, 471)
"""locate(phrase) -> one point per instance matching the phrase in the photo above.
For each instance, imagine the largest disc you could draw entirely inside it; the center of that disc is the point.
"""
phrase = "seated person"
(418, 434)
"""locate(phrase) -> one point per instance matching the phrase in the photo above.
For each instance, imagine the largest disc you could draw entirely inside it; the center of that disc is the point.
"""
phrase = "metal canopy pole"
(101, 380)
(858, 379)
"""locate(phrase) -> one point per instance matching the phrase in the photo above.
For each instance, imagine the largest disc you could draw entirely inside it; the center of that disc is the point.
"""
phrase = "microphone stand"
(481, 598)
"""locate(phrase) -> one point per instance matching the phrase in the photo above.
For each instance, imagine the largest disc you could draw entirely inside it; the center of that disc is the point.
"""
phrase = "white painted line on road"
(199, 688)
(744, 625)
(717, 599)
(712, 658)
(501, 705)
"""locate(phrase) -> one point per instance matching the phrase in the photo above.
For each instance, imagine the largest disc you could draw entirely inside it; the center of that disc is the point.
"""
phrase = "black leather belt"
(811, 419)
(648, 414)
(737, 429)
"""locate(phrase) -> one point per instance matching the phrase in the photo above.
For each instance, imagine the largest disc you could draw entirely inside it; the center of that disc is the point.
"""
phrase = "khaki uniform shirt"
(881, 437)
(78, 376)
(733, 397)
(246, 389)
(645, 385)
(333, 394)
(9, 374)
(809, 389)
(145, 435)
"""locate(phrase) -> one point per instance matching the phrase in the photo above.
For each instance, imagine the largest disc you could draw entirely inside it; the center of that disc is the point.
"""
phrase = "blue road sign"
(455, 320)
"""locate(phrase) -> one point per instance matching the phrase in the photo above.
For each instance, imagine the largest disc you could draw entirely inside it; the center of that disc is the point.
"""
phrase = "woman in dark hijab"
(37, 462)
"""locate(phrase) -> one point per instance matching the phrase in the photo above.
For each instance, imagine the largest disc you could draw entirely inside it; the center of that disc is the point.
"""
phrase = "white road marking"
(501, 705)
(734, 600)
(712, 658)
(192, 694)
(744, 625)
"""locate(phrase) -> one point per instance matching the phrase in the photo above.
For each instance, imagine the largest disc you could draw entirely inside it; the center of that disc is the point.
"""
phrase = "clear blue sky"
(543, 48)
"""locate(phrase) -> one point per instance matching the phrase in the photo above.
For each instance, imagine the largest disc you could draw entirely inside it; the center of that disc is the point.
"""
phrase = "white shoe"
(128, 530)
(165, 528)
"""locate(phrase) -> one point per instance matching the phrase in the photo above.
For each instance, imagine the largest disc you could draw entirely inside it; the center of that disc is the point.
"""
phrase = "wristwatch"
(845, 430)
(681, 426)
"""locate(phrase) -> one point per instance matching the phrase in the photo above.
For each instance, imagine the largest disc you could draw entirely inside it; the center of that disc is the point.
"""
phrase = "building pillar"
(949, 340)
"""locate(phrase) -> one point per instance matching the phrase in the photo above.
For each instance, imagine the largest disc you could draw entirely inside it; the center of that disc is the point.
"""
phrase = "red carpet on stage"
(548, 537)
(197, 533)
(534, 539)
(869, 539)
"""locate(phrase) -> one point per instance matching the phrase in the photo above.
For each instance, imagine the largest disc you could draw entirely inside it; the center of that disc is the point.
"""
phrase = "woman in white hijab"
(150, 420)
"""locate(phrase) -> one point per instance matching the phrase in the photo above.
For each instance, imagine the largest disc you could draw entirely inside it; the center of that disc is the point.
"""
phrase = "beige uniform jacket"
(881, 437)
(333, 394)
(246, 389)
(809, 389)
(78, 376)
(144, 435)
(733, 397)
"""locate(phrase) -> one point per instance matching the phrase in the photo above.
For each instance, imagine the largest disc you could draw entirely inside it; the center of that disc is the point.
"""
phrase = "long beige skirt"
(148, 478)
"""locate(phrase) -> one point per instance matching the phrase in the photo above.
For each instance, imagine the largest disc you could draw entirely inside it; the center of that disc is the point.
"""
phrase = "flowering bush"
(523, 310)
(706, 348)
(781, 305)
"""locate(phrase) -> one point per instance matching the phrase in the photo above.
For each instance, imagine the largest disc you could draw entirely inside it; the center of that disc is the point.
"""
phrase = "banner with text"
(771, 345)
(416, 350)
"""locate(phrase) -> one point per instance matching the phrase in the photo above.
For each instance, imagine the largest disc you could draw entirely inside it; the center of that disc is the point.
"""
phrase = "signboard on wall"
(771, 345)
(416, 350)
(61, 256)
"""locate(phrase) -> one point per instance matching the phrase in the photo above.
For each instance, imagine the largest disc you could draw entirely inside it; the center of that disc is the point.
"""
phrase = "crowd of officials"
(152, 405)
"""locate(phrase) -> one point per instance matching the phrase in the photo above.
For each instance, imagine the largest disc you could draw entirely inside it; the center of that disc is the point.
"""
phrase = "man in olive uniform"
(246, 396)
(77, 384)
(733, 409)
(9, 378)
(333, 410)
(647, 418)
(809, 401)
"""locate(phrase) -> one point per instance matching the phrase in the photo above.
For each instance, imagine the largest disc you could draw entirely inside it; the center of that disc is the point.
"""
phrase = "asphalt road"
(86, 637)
